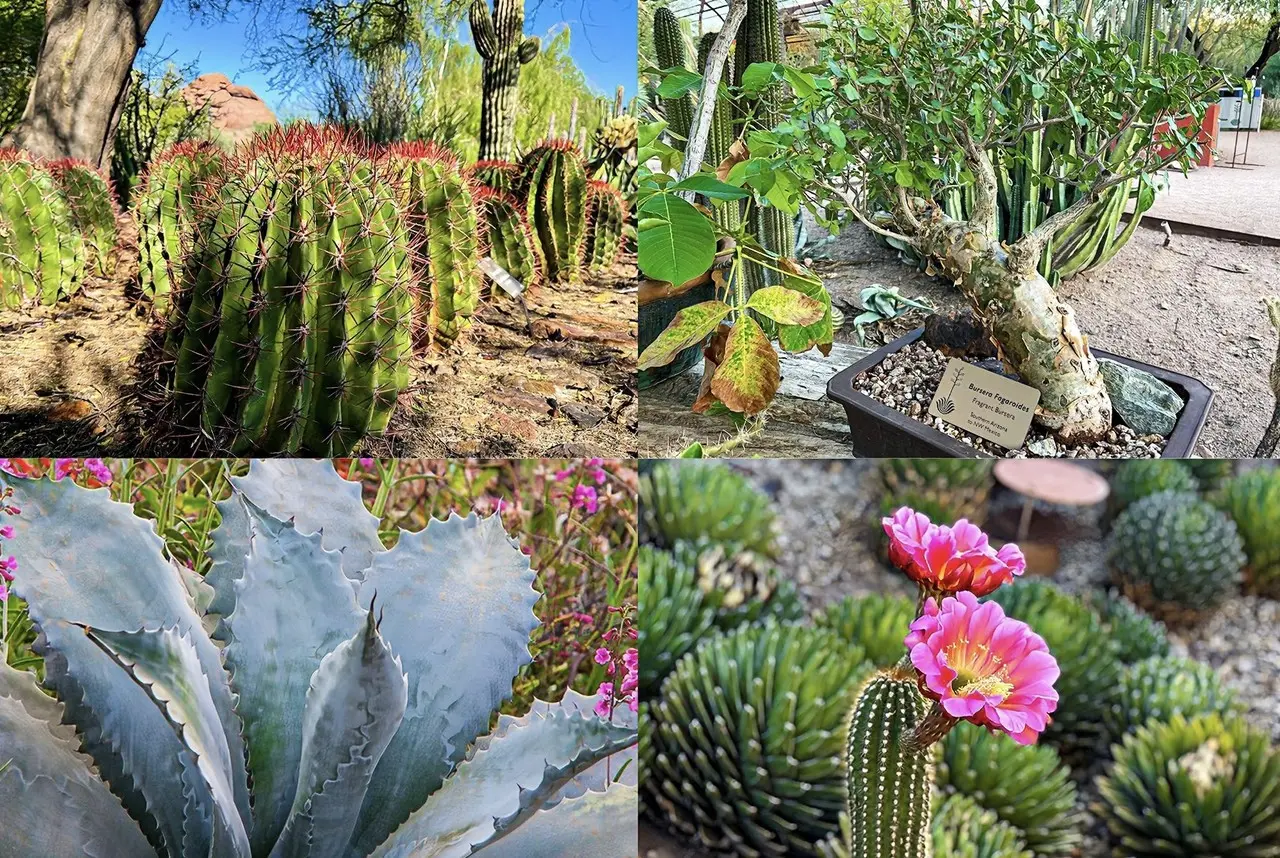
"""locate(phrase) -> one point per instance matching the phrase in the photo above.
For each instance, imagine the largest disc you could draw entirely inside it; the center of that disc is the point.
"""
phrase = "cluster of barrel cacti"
(57, 224)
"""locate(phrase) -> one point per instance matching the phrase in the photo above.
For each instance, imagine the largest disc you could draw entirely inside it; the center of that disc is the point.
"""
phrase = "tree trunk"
(1270, 47)
(81, 77)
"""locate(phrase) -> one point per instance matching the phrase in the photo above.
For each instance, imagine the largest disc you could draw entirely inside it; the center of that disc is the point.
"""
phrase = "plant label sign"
(506, 282)
(985, 403)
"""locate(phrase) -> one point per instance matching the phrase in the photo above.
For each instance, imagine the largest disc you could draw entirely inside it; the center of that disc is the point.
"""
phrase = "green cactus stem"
(606, 217)
(292, 328)
(42, 254)
(719, 141)
(668, 44)
(765, 44)
(93, 209)
(890, 770)
(497, 174)
(511, 240)
(499, 38)
(555, 186)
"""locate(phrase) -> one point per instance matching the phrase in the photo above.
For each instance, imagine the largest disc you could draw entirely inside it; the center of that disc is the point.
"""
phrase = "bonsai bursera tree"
(901, 107)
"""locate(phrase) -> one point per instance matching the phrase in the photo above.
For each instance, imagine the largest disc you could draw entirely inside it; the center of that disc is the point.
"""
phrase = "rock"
(1046, 448)
(1146, 404)
(958, 335)
(234, 111)
(584, 416)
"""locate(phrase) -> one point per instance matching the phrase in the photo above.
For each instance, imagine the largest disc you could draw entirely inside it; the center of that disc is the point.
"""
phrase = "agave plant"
(314, 695)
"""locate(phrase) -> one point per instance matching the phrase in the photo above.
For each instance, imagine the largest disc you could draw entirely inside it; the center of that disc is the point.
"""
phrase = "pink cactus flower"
(946, 559)
(984, 667)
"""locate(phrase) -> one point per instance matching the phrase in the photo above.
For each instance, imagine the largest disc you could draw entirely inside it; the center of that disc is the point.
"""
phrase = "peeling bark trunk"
(81, 78)
(1036, 332)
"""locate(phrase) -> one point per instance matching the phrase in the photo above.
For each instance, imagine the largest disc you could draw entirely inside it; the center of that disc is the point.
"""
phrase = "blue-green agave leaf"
(509, 778)
(354, 705)
(164, 663)
(119, 584)
(293, 606)
(619, 768)
(458, 600)
(594, 825)
(52, 802)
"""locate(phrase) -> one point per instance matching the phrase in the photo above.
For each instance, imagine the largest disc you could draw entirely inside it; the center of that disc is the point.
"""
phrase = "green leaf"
(679, 81)
(748, 377)
(690, 326)
(801, 83)
(675, 241)
(693, 451)
(759, 76)
(711, 187)
(786, 306)
(649, 132)
(867, 34)
(903, 177)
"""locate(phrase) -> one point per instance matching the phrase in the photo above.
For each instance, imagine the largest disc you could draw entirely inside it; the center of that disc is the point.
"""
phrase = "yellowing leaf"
(786, 306)
(690, 327)
(748, 377)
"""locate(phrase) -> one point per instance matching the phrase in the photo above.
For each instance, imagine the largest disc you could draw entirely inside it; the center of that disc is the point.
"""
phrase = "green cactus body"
(1253, 502)
(93, 210)
(1136, 635)
(946, 490)
(511, 241)
(878, 623)
(668, 44)
(555, 188)
(292, 328)
(765, 44)
(177, 191)
(606, 216)
(962, 828)
(696, 501)
(499, 38)
(497, 174)
(446, 237)
(720, 140)
(1138, 478)
(42, 255)
(1161, 687)
(1211, 473)
(890, 780)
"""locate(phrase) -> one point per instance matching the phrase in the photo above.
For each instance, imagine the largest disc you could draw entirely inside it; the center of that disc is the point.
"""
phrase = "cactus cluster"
(961, 828)
(1253, 502)
(1163, 686)
(511, 241)
(42, 253)
(554, 183)
(1175, 556)
(93, 210)
(1211, 473)
(1136, 479)
(878, 623)
(606, 217)
(1136, 635)
(946, 490)
(498, 35)
(708, 502)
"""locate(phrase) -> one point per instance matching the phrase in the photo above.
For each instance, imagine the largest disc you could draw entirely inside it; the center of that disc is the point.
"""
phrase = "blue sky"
(603, 42)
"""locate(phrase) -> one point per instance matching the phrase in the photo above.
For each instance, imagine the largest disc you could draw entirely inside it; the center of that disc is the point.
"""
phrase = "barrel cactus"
(1026, 786)
(42, 254)
(946, 490)
(696, 501)
(339, 707)
(606, 216)
(511, 241)
(291, 332)
(93, 210)
(1135, 635)
(497, 174)
(1139, 478)
(554, 181)
(178, 189)
(1253, 502)
(1205, 787)
(1176, 556)
(1161, 687)
(441, 212)
(878, 623)
(747, 740)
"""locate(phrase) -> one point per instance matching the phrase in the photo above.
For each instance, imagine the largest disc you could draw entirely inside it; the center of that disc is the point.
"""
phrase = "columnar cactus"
(93, 209)
(554, 182)
(890, 773)
(499, 38)
(42, 255)
(765, 44)
(511, 241)
(1253, 502)
(292, 329)
(606, 216)
(178, 189)
(668, 44)
(719, 141)
(446, 237)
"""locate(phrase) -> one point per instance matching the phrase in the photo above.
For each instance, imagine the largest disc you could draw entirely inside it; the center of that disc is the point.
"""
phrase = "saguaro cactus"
(292, 327)
(93, 209)
(41, 253)
(511, 241)
(606, 215)
(555, 187)
(499, 38)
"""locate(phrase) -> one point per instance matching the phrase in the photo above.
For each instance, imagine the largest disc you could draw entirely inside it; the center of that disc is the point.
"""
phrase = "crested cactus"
(499, 39)
(312, 722)
(946, 490)
(1159, 688)
(669, 46)
(704, 501)
(890, 773)
(878, 623)
(42, 254)
(606, 216)
(1138, 478)
(177, 191)
(292, 328)
(747, 740)
(554, 181)
(1136, 635)
(93, 209)
(1203, 787)
(1253, 502)
(445, 233)
(511, 241)
(1026, 786)
(1175, 556)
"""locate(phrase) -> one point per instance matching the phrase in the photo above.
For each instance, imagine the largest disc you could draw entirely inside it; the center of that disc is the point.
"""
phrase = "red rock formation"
(233, 110)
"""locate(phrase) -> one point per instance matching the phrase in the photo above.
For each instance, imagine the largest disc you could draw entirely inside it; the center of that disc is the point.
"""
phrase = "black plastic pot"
(879, 431)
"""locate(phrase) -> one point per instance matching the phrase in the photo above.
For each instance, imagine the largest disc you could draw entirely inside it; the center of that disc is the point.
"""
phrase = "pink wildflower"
(604, 699)
(6, 532)
(984, 667)
(584, 497)
(365, 462)
(946, 559)
(603, 656)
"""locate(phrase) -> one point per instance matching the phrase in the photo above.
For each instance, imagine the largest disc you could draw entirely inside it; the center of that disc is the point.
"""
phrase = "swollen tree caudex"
(314, 695)
(903, 106)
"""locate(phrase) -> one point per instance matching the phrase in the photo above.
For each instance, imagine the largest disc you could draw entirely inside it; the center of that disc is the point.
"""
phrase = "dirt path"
(1195, 307)
(73, 382)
